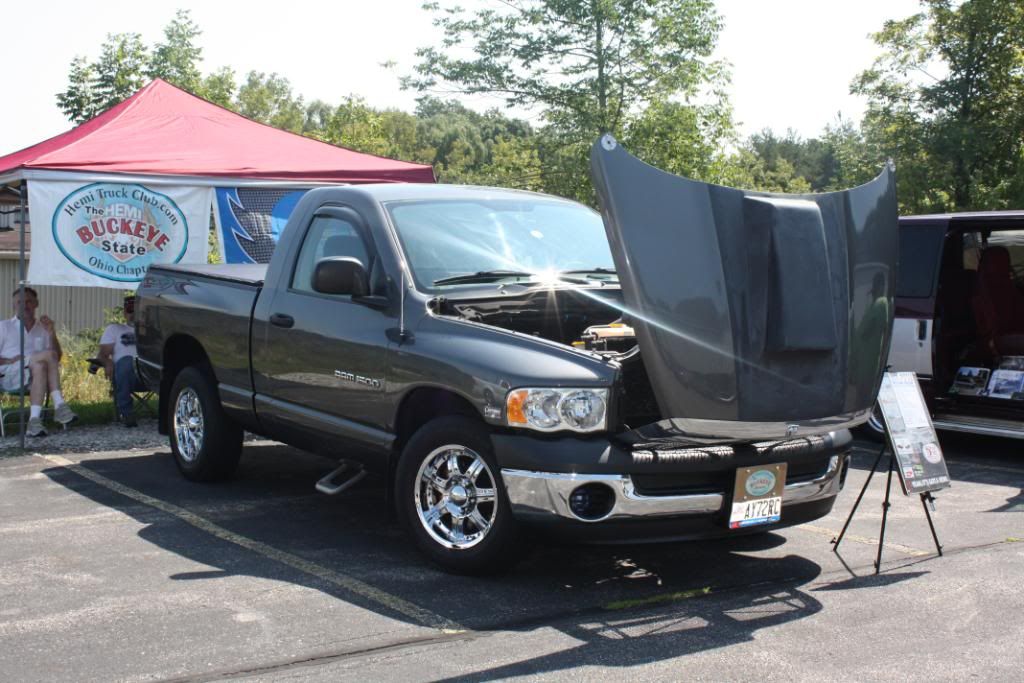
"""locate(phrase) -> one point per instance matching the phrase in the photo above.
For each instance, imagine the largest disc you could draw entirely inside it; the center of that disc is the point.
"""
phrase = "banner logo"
(116, 231)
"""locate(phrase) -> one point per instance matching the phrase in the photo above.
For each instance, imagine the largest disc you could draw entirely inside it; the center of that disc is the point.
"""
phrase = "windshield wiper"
(481, 276)
(589, 271)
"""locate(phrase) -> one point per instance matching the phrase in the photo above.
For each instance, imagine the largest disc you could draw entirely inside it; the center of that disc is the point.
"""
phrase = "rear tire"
(206, 443)
(452, 501)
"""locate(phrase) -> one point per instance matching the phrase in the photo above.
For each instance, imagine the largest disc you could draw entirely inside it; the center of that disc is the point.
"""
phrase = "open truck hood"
(758, 315)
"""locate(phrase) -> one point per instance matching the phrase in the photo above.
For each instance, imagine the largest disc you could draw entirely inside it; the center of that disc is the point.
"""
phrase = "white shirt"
(122, 337)
(37, 339)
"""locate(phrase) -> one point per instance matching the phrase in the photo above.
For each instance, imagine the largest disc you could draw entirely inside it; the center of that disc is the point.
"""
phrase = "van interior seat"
(998, 304)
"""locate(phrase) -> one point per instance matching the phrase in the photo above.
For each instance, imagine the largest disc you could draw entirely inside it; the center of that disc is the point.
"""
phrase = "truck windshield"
(451, 243)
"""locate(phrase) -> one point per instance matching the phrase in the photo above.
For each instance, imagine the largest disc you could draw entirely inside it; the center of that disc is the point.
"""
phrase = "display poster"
(108, 234)
(919, 459)
(250, 221)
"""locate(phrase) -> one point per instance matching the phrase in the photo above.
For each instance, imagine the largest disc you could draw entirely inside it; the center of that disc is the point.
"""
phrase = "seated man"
(41, 360)
(117, 353)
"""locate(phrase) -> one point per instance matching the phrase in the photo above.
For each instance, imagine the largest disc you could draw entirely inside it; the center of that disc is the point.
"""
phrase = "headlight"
(548, 410)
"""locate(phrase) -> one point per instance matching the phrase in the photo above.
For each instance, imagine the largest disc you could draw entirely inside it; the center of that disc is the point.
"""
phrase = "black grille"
(689, 483)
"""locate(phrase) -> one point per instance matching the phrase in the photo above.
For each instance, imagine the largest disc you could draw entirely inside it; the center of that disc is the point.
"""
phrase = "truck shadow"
(624, 604)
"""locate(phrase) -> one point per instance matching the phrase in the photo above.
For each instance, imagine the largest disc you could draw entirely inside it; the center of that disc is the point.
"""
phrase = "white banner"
(106, 234)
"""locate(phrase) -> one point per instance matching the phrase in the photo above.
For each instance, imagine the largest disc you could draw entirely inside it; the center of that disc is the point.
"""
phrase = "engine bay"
(586, 319)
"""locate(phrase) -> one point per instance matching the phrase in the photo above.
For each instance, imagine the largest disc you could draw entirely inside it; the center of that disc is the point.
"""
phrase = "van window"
(919, 257)
(972, 250)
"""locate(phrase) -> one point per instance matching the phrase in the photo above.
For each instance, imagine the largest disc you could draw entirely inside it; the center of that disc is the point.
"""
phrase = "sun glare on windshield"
(459, 242)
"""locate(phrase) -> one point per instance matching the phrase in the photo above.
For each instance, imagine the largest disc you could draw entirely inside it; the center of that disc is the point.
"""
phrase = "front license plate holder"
(757, 495)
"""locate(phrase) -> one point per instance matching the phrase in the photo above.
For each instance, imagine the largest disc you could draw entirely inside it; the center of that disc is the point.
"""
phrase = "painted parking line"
(353, 585)
(898, 547)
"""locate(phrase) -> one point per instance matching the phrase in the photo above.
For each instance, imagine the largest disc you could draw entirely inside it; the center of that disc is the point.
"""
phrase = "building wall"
(72, 308)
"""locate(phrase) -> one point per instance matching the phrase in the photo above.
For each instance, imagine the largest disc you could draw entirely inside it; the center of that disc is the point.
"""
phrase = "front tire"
(206, 443)
(874, 428)
(452, 501)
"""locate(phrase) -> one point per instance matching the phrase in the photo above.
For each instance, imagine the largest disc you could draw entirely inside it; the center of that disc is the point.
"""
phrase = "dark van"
(959, 318)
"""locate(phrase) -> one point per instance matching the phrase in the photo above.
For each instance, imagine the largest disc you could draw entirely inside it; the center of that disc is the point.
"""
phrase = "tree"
(219, 87)
(682, 139)
(590, 66)
(268, 99)
(79, 102)
(121, 68)
(117, 74)
(125, 64)
(946, 100)
(175, 60)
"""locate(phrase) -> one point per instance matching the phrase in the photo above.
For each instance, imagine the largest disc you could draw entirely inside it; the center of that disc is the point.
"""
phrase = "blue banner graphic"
(251, 220)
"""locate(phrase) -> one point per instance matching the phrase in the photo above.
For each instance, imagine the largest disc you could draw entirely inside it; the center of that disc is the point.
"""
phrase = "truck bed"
(210, 304)
(244, 273)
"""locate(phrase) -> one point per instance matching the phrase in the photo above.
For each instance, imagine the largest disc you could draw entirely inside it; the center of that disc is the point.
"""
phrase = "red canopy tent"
(163, 130)
(147, 169)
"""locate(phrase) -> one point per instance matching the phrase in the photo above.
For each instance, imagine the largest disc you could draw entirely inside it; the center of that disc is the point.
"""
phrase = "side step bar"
(1008, 429)
(327, 485)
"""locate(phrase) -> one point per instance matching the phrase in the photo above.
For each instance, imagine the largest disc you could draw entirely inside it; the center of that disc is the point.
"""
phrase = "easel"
(926, 499)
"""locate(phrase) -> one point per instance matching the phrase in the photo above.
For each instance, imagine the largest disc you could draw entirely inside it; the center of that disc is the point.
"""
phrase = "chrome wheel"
(456, 496)
(188, 424)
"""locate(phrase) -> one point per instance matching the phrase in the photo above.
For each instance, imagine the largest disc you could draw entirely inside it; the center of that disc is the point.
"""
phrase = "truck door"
(321, 358)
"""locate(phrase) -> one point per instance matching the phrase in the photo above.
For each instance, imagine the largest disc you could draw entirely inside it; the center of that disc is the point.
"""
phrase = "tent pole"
(21, 323)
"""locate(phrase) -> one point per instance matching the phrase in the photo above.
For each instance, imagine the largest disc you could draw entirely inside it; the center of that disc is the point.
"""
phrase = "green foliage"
(120, 70)
(946, 101)
(125, 65)
(682, 139)
(589, 66)
(175, 60)
(219, 87)
(80, 102)
(268, 99)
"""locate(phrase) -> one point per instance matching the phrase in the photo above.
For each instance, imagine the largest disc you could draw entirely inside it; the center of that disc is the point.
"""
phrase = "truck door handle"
(922, 329)
(281, 320)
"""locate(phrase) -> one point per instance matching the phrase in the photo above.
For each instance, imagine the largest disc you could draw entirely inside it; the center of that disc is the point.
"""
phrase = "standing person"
(41, 361)
(117, 352)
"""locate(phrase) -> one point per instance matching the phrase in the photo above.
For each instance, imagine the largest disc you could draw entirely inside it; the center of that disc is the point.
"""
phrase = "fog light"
(591, 501)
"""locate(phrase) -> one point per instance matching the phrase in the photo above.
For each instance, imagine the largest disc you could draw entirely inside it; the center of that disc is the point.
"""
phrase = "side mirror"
(341, 275)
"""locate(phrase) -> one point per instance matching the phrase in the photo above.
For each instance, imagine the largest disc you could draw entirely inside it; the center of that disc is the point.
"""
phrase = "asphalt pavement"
(112, 567)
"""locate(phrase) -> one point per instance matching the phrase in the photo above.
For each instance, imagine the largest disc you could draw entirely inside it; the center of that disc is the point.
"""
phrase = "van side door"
(921, 245)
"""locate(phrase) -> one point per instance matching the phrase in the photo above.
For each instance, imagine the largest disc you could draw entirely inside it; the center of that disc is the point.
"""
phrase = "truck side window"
(327, 236)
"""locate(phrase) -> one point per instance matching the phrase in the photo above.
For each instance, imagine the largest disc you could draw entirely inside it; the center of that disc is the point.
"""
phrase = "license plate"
(757, 496)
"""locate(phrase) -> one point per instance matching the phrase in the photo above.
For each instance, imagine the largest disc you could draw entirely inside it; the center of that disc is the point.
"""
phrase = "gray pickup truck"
(684, 365)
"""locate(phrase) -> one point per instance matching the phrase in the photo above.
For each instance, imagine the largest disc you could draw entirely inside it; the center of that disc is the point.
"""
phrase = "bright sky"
(792, 60)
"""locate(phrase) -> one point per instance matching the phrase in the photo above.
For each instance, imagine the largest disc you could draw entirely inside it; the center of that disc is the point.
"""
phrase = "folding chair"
(14, 411)
(11, 412)
(141, 400)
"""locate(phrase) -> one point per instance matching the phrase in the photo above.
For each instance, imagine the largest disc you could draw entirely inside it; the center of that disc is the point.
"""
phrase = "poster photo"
(1012, 363)
(1005, 383)
(971, 381)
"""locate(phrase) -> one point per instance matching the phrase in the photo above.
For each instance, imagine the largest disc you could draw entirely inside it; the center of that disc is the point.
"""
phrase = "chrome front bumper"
(546, 494)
